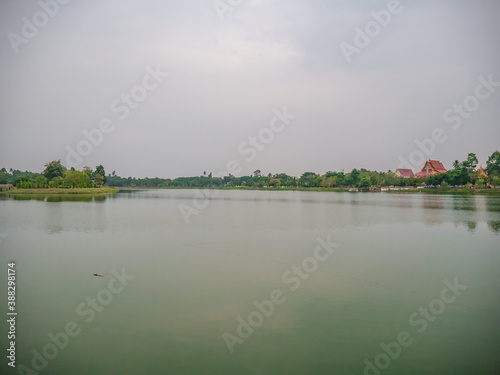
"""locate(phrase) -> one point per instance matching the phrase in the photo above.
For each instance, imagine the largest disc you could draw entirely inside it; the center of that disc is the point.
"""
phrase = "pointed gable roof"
(437, 166)
(433, 166)
(406, 173)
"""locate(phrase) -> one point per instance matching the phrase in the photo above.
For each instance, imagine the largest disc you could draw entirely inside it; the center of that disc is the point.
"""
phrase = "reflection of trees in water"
(493, 205)
(464, 203)
(59, 197)
(55, 221)
(435, 202)
(471, 225)
(494, 226)
(474, 210)
(433, 206)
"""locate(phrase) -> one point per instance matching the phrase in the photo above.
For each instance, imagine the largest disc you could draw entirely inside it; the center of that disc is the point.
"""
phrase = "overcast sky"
(228, 71)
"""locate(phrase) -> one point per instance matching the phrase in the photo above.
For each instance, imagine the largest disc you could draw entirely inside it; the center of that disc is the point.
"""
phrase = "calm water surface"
(195, 282)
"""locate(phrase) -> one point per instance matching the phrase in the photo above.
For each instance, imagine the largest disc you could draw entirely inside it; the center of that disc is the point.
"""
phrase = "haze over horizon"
(232, 69)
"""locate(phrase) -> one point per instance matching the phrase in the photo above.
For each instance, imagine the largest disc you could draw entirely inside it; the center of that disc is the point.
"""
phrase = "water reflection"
(471, 225)
(57, 197)
(494, 226)
(464, 203)
(433, 209)
(297, 208)
(493, 204)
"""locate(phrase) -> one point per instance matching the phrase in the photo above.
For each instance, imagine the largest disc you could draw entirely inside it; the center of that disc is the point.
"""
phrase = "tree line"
(463, 173)
(56, 175)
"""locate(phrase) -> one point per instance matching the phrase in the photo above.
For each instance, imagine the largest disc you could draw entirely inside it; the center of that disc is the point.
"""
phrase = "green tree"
(341, 180)
(471, 164)
(57, 182)
(353, 178)
(471, 161)
(275, 182)
(100, 170)
(310, 179)
(480, 183)
(99, 180)
(53, 169)
(76, 179)
(364, 182)
(23, 182)
(493, 164)
(495, 181)
(4, 177)
(87, 170)
(40, 182)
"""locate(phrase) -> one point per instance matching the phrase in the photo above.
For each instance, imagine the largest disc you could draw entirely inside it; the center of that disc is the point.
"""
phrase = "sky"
(175, 88)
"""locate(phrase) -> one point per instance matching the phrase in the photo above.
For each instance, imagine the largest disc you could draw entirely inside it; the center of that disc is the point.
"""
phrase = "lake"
(253, 282)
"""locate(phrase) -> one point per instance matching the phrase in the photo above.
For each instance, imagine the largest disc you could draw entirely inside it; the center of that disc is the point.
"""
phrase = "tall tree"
(353, 179)
(53, 169)
(100, 170)
(340, 179)
(76, 179)
(364, 182)
(471, 162)
(493, 164)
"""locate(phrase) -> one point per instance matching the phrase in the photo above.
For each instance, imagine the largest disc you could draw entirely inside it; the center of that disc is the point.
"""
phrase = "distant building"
(405, 173)
(4, 187)
(431, 167)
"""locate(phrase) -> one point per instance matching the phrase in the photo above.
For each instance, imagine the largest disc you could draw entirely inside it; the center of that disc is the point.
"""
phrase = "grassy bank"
(105, 190)
(450, 191)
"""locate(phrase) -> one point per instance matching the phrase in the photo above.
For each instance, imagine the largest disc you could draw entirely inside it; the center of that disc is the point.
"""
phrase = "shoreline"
(61, 191)
(449, 191)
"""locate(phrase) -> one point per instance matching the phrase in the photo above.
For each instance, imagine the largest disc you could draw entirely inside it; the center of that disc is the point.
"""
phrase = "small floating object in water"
(96, 274)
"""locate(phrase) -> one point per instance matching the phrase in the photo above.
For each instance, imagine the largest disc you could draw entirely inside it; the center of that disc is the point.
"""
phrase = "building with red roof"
(431, 167)
(405, 173)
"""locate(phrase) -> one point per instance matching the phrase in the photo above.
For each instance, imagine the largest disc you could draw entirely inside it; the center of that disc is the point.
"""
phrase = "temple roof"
(434, 166)
(405, 172)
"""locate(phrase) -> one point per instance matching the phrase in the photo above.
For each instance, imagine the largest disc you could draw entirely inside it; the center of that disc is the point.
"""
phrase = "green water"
(192, 281)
